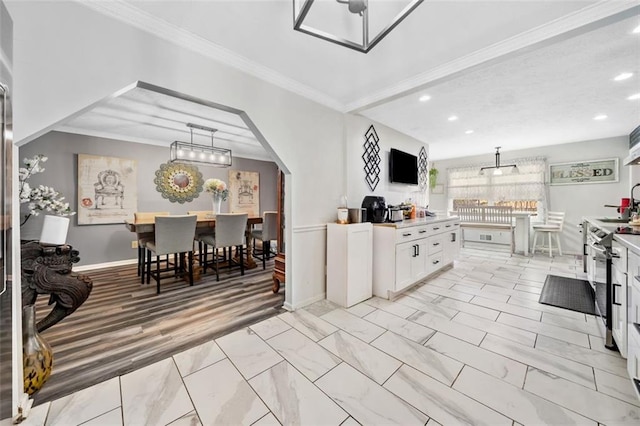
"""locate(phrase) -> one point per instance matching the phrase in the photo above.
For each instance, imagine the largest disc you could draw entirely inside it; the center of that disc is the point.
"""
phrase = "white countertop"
(416, 222)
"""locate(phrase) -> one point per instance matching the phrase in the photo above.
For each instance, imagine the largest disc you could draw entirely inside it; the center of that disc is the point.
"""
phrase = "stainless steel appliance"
(599, 273)
(6, 258)
(396, 215)
(357, 215)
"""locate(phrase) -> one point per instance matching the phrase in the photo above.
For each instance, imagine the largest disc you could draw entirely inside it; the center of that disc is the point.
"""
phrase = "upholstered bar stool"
(202, 230)
(144, 238)
(174, 235)
(230, 232)
(268, 233)
(552, 226)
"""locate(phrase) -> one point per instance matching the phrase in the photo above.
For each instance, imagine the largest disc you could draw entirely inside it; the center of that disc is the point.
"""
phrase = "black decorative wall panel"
(423, 172)
(371, 158)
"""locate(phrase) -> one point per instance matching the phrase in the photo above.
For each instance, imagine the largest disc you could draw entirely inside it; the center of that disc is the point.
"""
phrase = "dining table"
(148, 226)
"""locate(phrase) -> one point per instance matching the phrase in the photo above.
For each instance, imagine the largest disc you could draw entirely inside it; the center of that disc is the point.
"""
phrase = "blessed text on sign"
(592, 171)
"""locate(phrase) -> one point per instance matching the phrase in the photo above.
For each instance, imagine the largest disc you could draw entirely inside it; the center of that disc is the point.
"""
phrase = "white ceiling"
(518, 73)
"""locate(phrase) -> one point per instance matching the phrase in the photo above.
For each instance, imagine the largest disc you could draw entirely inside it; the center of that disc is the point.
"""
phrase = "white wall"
(575, 200)
(357, 188)
(68, 57)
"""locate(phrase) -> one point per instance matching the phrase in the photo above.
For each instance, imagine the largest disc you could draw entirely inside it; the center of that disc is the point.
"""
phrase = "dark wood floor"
(124, 325)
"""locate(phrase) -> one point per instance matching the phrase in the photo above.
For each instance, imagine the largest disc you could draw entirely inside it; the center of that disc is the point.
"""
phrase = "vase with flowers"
(219, 192)
(39, 198)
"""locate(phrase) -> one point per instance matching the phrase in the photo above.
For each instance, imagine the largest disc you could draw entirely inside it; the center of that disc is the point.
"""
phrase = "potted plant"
(433, 177)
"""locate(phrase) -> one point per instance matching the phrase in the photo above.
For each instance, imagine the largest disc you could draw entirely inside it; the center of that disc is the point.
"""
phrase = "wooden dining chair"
(230, 232)
(173, 235)
(202, 230)
(268, 233)
(144, 238)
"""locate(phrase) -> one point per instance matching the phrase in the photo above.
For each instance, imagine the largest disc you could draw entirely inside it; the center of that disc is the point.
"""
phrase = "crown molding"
(567, 26)
(131, 15)
(585, 19)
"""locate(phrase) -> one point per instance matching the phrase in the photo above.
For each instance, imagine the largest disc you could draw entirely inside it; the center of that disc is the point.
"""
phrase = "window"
(525, 191)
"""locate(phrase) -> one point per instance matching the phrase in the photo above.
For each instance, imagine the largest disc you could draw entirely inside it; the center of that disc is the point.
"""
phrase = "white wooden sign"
(589, 171)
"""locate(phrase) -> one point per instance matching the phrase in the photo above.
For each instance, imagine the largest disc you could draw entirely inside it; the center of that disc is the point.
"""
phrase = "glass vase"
(217, 203)
(37, 356)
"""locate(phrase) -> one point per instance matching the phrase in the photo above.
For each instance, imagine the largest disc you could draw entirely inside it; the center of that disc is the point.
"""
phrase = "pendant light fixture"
(360, 30)
(497, 169)
(188, 152)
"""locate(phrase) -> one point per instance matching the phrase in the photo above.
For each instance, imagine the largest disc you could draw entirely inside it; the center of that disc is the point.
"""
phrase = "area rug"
(568, 293)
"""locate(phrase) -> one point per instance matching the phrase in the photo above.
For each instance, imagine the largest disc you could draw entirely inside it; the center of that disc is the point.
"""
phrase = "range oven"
(599, 273)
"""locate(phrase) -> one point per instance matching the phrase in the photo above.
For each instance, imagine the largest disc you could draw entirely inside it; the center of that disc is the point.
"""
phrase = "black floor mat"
(568, 293)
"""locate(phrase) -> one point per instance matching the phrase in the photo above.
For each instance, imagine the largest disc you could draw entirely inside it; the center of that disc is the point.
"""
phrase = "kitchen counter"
(416, 222)
(632, 242)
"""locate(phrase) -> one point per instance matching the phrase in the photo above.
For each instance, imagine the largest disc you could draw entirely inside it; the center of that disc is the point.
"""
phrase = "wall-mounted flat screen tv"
(403, 167)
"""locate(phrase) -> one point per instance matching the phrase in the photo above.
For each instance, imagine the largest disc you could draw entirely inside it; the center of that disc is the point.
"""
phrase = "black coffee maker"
(376, 208)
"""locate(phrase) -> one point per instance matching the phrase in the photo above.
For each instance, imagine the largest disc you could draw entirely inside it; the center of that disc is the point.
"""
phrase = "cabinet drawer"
(434, 262)
(410, 234)
(435, 244)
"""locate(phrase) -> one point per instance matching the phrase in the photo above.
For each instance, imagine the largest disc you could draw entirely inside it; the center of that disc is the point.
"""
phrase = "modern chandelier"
(497, 169)
(189, 152)
(360, 29)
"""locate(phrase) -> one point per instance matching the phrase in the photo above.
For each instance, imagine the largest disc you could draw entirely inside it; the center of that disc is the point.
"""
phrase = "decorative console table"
(46, 269)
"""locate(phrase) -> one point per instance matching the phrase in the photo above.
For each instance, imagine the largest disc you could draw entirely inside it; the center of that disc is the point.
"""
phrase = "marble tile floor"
(470, 346)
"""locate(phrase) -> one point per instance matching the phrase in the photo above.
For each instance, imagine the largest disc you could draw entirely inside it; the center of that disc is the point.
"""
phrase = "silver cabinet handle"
(436, 228)
(436, 244)
(435, 262)
(422, 232)
(408, 234)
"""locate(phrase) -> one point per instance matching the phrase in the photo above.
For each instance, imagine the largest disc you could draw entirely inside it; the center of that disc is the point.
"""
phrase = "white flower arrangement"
(216, 187)
(41, 198)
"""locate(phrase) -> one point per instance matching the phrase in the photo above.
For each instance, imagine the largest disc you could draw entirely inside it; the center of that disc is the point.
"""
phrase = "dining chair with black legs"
(144, 238)
(173, 234)
(268, 233)
(229, 233)
(201, 231)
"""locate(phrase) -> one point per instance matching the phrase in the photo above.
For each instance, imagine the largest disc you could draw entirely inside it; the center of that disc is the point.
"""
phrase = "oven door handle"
(598, 248)
(613, 296)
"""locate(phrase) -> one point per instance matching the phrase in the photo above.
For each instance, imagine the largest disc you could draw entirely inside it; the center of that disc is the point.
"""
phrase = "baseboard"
(105, 265)
(306, 302)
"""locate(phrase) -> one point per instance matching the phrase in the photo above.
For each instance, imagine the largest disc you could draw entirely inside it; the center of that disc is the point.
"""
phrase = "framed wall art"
(589, 171)
(107, 189)
(244, 192)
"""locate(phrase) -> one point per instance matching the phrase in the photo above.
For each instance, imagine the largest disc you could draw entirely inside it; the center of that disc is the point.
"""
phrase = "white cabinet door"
(359, 271)
(405, 255)
(451, 248)
(419, 267)
(349, 263)
(619, 310)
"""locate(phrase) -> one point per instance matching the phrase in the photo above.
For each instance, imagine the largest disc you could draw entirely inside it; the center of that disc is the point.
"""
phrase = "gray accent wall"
(109, 243)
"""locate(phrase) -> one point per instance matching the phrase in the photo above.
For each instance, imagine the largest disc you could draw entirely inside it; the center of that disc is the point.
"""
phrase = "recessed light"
(600, 117)
(634, 97)
(424, 98)
(636, 30)
(452, 118)
(468, 132)
(623, 76)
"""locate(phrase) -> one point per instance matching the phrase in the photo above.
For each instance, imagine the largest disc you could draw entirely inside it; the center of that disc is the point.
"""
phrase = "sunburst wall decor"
(178, 182)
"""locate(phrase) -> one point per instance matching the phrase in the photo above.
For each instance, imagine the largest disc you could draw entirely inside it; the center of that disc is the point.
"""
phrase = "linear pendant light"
(188, 152)
(497, 169)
